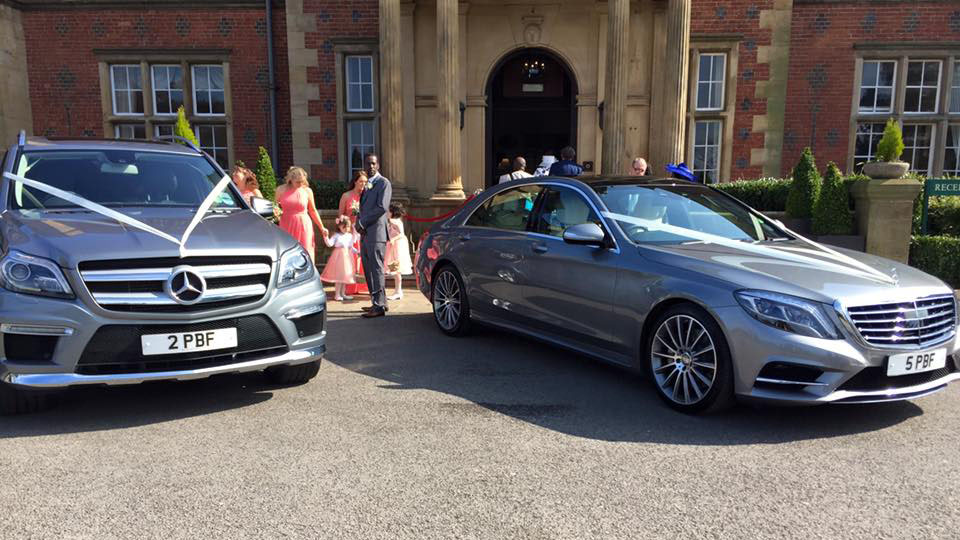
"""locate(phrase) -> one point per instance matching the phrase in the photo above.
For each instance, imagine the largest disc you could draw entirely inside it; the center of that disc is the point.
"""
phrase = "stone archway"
(531, 108)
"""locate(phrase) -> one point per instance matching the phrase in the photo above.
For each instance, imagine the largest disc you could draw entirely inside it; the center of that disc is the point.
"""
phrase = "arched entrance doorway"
(531, 109)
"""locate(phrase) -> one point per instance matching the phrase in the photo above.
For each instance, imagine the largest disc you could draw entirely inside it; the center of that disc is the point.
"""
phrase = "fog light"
(302, 312)
(36, 330)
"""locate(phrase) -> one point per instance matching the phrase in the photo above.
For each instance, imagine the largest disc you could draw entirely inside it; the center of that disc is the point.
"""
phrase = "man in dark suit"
(566, 166)
(372, 226)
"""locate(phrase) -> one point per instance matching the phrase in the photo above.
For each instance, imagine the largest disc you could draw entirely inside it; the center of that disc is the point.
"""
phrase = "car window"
(561, 208)
(508, 210)
(118, 178)
(682, 213)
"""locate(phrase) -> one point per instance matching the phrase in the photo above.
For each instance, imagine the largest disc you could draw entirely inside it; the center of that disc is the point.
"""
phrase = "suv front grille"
(919, 323)
(138, 285)
(115, 349)
(876, 378)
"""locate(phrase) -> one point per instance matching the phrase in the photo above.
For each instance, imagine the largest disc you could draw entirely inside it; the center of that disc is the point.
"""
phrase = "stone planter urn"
(885, 170)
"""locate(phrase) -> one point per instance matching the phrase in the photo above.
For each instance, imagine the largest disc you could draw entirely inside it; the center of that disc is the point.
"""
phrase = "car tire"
(451, 308)
(296, 374)
(15, 400)
(688, 361)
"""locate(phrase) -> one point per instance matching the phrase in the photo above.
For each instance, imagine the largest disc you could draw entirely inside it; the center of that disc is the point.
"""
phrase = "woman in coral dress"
(296, 201)
(350, 206)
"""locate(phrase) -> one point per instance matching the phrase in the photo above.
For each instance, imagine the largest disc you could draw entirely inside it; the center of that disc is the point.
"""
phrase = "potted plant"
(888, 165)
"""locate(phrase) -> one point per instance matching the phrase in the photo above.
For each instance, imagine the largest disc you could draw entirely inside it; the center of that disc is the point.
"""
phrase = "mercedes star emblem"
(185, 285)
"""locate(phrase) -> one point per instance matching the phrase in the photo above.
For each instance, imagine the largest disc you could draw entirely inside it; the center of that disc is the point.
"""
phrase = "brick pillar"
(449, 183)
(614, 151)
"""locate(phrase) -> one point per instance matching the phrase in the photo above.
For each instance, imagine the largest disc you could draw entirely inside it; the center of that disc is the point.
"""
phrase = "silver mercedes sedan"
(709, 298)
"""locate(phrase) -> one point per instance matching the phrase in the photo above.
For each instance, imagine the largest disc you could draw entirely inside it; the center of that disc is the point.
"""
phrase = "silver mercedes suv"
(123, 262)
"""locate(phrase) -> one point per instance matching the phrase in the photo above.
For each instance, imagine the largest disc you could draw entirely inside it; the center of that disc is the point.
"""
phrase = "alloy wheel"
(446, 300)
(683, 359)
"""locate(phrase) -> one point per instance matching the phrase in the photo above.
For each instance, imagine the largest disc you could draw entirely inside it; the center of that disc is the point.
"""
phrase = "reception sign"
(937, 187)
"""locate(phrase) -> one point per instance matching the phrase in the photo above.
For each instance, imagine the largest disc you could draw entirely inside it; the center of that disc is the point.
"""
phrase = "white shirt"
(515, 175)
(340, 240)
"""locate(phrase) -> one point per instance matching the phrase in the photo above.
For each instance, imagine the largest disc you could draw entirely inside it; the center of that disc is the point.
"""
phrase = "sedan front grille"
(919, 323)
(138, 285)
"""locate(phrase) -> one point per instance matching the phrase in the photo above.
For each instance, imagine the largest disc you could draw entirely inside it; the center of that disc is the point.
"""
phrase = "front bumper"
(81, 355)
(848, 372)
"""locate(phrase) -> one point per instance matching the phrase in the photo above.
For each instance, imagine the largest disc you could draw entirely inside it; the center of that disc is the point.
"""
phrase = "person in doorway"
(350, 207)
(680, 171)
(566, 166)
(397, 258)
(545, 163)
(503, 167)
(638, 167)
(299, 209)
(519, 170)
(373, 228)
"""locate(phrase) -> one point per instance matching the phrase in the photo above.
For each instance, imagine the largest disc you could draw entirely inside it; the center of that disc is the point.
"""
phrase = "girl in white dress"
(397, 258)
(339, 269)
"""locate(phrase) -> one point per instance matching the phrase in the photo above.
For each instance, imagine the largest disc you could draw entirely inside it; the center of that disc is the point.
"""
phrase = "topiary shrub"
(182, 128)
(764, 194)
(265, 174)
(937, 255)
(890, 146)
(805, 188)
(831, 211)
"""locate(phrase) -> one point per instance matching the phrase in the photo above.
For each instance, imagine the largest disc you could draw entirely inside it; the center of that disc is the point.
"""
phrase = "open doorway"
(531, 109)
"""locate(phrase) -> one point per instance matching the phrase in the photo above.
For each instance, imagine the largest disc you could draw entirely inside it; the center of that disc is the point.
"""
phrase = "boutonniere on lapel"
(369, 185)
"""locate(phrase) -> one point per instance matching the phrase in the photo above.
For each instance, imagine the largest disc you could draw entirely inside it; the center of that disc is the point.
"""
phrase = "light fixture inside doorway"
(533, 68)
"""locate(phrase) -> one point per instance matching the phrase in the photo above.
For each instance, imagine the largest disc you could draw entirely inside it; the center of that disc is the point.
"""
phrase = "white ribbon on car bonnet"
(123, 218)
(860, 269)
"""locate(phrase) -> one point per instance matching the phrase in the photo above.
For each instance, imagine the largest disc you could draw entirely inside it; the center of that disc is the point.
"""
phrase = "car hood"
(70, 237)
(803, 268)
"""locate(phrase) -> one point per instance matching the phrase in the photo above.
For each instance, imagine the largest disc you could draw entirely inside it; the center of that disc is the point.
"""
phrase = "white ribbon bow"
(123, 218)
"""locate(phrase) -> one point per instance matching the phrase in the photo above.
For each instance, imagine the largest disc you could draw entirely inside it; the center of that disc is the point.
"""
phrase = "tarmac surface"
(408, 434)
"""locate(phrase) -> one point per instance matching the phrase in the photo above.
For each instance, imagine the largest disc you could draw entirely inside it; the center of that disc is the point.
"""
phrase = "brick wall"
(742, 18)
(822, 64)
(65, 82)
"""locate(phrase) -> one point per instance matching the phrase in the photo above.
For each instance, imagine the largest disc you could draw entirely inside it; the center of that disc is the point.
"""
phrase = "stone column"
(675, 77)
(391, 97)
(449, 183)
(614, 157)
(885, 215)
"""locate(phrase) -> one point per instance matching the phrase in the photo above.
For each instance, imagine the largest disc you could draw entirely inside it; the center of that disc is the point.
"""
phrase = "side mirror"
(586, 234)
(262, 207)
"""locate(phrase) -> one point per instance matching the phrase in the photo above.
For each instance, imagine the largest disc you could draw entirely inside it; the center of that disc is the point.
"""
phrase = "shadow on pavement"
(499, 373)
(85, 409)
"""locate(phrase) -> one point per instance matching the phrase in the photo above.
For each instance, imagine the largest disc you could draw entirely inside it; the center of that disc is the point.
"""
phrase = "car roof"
(611, 180)
(51, 143)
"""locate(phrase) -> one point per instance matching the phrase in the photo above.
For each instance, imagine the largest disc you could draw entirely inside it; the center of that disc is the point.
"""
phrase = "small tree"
(265, 175)
(805, 188)
(831, 212)
(890, 146)
(182, 128)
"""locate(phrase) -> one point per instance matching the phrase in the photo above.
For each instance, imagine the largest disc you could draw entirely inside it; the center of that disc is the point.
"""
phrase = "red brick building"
(444, 90)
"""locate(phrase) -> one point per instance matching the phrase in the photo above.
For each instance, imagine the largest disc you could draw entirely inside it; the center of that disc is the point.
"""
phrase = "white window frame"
(861, 158)
(117, 128)
(216, 148)
(368, 147)
(156, 129)
(128, 91)
(193, 85)
(361, 83)
(954, 107)
(154, 89)
(912, 149)
(722, 82)
(956, 170)
(922, 86)
(876, 87)
(707, 147)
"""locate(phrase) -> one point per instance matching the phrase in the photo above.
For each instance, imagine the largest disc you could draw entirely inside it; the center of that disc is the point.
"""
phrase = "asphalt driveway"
(408, 434)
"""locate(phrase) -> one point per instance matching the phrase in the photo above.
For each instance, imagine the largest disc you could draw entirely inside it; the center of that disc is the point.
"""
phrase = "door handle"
(540, 248)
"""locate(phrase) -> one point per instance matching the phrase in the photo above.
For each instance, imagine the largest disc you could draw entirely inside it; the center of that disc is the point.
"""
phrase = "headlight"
(788, 313)
(296, 266)
(27, 274)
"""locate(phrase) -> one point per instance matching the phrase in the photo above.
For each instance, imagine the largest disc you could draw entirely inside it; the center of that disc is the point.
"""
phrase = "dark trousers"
(372, 253)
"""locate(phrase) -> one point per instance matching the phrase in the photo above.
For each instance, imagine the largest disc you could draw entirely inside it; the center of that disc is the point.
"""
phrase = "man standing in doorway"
(372, 226)
(566, 166)
(519, 171)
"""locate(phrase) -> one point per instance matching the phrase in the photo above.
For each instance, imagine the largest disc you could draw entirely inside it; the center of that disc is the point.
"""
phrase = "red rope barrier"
(442, 217)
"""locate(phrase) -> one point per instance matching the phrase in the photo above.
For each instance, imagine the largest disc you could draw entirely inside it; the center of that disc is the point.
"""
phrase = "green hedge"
(327, 194)
(937, 255)
(943, 217)
(765, 194)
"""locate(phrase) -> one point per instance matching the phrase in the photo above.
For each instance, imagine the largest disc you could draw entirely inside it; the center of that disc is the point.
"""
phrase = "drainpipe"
(273, 85)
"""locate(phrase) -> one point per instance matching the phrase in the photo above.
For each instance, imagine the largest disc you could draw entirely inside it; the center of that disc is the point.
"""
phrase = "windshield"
(117, 178)
(682, 213)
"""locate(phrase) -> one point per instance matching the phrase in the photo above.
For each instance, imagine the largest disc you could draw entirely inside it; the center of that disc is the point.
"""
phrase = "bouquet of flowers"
(355, 208)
